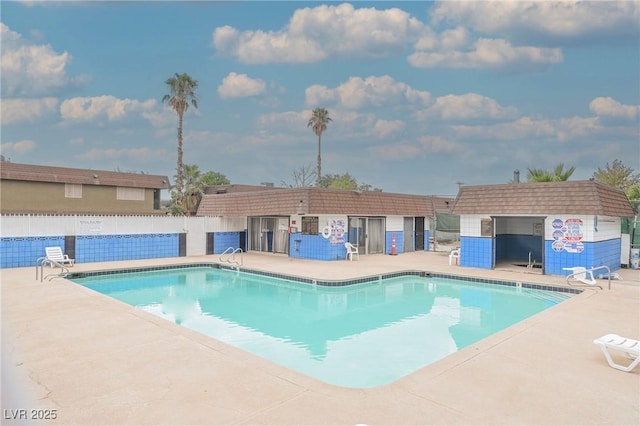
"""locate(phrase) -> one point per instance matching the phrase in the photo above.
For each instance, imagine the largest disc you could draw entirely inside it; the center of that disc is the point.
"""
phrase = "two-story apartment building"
(26, 188)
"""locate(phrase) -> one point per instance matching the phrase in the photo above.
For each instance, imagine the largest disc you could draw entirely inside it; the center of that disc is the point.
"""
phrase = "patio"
(95, 360)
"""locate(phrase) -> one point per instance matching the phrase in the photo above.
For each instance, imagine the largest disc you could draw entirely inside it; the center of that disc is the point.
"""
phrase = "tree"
(182, 93)
(194, 183)
(318, 123)
(619, 176)
(193, 187)
(345, 181)
(214, 178)
(558, 174)
(303, 177)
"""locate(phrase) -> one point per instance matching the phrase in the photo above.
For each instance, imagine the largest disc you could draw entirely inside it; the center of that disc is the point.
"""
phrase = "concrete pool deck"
(95, 360)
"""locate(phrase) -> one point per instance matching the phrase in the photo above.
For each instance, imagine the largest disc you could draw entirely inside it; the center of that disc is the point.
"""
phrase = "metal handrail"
(41, 261)
(231, 256)
(591, 270)
(232, 259)
(227, 251)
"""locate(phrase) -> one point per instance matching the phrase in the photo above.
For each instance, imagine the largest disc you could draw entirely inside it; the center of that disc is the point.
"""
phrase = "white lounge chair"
(54, 254)
(580, 273)
(629, 346)
(351, 250)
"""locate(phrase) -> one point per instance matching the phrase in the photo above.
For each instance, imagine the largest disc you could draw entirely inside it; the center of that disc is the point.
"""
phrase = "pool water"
(357, 336)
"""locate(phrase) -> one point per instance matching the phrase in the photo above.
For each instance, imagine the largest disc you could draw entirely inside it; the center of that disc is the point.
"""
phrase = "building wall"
(596, 242)
(570, 240)
(99, 238)
(23, 238)
(23, 196)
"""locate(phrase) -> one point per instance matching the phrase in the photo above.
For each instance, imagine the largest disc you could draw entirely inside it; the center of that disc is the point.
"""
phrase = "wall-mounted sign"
(337, 231)
(486, 228)
(567, 235)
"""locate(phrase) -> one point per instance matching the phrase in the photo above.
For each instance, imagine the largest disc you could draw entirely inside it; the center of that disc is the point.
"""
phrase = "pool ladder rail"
(229, 256)
(591, 270)
(42, 261)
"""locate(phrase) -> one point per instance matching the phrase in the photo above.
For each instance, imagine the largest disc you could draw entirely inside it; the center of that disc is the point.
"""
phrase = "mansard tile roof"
(569, 197)
(319, 201)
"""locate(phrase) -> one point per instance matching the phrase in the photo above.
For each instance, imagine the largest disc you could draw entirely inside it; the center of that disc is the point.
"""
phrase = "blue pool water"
(358, 336)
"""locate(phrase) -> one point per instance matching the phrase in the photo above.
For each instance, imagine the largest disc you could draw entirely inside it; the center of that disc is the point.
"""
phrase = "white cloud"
(435, 144)
(240, 86)
(291, 119)
(543, 19)
(611, 108)
(20, 147)
(467, 107)
(487, 53)
(561, 130)
(373, 91)
(26, 110)
(30, 69)
(139, 154)
(95, 108)
(314, 34)
(163, 118)
(385, 128)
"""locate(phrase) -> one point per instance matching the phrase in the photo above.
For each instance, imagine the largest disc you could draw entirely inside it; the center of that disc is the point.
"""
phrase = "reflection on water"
(357, 336)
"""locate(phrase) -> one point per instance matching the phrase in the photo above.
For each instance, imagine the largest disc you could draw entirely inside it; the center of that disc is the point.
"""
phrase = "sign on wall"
(90, 227)
(567, 235)
(337, 231)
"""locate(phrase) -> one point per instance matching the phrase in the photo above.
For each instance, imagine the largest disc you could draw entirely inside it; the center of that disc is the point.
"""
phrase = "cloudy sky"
(423, 95)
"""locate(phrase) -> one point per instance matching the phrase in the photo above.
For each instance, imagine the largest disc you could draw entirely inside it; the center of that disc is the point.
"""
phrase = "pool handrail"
(41, 261)
(231, 256)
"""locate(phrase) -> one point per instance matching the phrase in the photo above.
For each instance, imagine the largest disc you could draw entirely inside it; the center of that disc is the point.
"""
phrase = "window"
(310, 225)
(72, 190)
(130, 194)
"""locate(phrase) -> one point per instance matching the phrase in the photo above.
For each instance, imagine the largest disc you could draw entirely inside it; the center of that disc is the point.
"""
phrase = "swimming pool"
(362, 335)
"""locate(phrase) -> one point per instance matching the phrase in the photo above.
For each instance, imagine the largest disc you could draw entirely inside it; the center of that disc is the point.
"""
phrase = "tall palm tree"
(558, 174)
(182, 93)
(318, 123)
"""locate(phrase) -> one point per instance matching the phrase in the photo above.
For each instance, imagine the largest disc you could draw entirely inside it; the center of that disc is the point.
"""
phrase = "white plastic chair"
(628, 346)
(351, 250)
(54, 254)
(580, 273)
(455, 254)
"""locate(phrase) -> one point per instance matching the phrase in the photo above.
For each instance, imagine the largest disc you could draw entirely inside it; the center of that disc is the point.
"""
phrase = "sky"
(423, 96)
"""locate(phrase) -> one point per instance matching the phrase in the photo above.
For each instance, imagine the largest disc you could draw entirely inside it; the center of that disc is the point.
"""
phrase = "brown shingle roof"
(570, 197)
(317, 201)
(28, 172)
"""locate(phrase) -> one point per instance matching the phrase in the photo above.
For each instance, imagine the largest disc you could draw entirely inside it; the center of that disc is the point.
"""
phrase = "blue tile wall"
(17, 252)
(600, 253)
(476, 252)
(103, 248)
(316, 247)
(389, 241)
(224, 240)
(517, 247)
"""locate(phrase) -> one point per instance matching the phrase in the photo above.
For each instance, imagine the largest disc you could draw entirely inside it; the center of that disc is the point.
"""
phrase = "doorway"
(407, 245)
(269, 234)
(367, 233)
(519, 243)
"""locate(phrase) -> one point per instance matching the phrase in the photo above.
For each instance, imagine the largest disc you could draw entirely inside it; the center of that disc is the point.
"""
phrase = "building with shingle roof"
(546, 226)
(27, 188)
(315, 223)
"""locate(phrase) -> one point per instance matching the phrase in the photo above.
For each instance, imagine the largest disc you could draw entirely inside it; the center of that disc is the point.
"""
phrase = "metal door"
(419, 239)
(407, 246)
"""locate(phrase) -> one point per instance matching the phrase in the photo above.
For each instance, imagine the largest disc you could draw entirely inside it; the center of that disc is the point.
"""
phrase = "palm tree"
(557, 175)
(182, 92)
(193, 187)
(318, 123)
